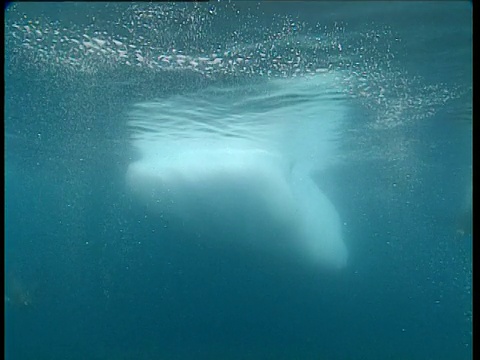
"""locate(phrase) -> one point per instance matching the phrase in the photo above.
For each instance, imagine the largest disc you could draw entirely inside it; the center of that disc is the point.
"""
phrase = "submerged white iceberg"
(237, 164)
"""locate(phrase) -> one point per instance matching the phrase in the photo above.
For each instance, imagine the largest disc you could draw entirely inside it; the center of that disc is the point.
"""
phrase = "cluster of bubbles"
(163, 38)
(221, 41)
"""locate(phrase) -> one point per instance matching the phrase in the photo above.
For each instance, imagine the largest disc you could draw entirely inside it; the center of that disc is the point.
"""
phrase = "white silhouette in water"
(239, 167)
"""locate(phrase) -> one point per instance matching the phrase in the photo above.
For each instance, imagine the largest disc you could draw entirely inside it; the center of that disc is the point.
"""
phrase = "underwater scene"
(238, 180)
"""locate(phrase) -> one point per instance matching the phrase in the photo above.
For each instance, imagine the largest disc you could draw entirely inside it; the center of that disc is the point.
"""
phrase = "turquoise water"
(238, 180)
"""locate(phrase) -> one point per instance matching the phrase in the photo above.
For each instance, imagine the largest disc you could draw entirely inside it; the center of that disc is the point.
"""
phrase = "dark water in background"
(90, 275)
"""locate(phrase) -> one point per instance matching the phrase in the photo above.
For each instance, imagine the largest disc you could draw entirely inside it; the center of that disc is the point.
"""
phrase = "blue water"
(91, 273)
